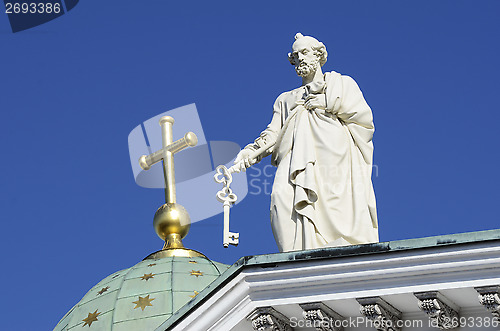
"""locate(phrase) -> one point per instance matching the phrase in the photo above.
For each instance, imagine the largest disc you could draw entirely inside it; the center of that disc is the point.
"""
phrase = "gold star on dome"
(148, 276)
(143, 302)
(152, 264)
(104, 289)
(91, 318)
(191, 261)
(196, 273)
(195, 294)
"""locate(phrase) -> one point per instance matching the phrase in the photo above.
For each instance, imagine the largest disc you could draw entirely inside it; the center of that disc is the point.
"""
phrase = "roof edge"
(328, 253)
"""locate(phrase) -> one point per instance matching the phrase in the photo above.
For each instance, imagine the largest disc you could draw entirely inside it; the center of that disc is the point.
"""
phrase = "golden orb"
(171, 219)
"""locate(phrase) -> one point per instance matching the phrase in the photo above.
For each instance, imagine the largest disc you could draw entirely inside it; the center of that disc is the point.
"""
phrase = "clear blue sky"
(72, 89)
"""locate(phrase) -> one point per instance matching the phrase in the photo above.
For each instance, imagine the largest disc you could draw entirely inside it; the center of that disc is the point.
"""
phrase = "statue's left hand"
(315, 101)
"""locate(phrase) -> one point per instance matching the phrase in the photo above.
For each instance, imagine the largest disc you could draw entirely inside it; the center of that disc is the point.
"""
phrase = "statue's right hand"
(242, 160)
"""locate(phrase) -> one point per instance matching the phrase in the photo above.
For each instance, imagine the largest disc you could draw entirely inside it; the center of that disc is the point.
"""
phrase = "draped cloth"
(322, 193)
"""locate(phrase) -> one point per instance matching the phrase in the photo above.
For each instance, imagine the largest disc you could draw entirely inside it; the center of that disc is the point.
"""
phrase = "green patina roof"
(144, 296)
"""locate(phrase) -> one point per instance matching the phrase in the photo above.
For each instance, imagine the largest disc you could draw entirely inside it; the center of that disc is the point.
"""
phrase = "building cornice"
(346, 273)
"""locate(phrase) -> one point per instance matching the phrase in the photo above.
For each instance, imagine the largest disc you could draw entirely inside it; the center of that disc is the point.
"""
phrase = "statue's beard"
(304, 69)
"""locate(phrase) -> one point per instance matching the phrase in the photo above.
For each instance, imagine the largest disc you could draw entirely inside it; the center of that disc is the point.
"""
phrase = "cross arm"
(189, 140)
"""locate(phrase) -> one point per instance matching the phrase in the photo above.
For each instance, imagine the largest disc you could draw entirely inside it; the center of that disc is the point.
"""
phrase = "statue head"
(307, 54)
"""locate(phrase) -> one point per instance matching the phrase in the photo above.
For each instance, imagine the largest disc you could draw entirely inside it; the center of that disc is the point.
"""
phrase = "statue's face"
(305, 59)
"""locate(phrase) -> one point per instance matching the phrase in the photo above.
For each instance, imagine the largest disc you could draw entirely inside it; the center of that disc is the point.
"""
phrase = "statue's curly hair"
(318, 47)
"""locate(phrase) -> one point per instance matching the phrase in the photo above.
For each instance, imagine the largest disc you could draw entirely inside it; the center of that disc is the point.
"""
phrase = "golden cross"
(166, 153)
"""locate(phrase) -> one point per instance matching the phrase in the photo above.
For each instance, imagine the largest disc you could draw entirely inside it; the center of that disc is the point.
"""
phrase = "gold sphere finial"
(172, 223)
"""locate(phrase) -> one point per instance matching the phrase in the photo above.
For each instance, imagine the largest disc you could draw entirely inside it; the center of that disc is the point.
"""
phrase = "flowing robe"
(322, 193)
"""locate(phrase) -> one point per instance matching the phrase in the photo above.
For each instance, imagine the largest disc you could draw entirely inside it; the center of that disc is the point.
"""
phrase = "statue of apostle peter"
(322, 193)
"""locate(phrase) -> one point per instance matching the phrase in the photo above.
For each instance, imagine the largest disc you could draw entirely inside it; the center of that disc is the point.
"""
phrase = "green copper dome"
(144, 296)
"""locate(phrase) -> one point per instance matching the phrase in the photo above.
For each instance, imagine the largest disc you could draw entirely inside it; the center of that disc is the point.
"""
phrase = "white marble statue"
(322, 134)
